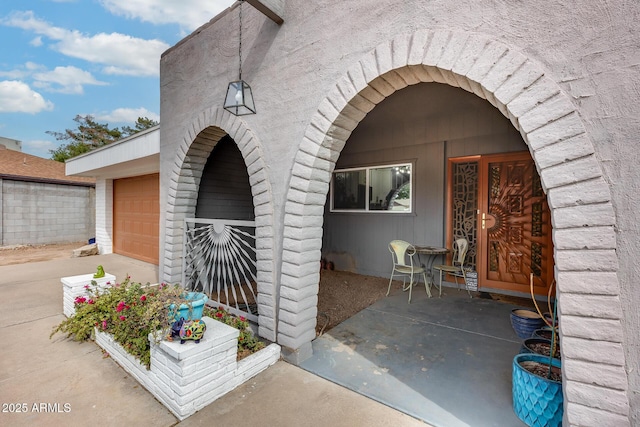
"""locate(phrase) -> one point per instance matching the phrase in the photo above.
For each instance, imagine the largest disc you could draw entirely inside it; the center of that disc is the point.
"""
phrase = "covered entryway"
(136, 216)
(571, 174)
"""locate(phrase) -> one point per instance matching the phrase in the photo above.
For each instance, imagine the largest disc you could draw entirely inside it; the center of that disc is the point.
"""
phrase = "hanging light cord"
(240, 43)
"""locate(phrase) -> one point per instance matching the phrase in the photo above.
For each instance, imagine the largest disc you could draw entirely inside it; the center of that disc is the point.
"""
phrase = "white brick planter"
(187, 377)
(74, 286)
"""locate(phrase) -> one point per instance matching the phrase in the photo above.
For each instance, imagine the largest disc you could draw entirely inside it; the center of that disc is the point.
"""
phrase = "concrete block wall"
(187, 377)
(41, 213)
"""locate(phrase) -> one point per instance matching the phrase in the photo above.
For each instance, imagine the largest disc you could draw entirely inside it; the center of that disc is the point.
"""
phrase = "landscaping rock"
(86, 250)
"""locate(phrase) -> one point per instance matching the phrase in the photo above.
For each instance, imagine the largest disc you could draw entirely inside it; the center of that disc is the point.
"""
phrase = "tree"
(143, 123)
(90, 135)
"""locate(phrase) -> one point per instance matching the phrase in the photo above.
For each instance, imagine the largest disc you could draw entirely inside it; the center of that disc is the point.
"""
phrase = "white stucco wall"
(565, 75)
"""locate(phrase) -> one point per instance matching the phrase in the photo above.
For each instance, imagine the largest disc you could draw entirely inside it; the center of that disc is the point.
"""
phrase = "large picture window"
(375, 188)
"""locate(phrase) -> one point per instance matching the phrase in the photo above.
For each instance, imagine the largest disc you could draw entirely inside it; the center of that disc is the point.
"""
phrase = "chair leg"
(426, 285)
(464, 277)
(440, 294)
(410, 286)
(390, 280)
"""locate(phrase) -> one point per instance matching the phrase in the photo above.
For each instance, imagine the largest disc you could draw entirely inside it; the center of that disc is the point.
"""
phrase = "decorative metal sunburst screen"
(219, 259)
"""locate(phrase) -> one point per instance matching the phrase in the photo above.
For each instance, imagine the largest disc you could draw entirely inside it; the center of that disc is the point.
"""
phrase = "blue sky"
(61, 58)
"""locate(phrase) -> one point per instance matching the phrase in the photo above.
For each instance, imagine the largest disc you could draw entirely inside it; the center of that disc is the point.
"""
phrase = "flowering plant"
(247, 342)
(130, 312)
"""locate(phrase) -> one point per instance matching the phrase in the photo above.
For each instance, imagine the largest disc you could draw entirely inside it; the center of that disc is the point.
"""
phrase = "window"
(389, 189)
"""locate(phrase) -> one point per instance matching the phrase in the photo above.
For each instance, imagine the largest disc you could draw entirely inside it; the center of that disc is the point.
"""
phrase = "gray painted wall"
(225, 192)
(40, 213)
(424, 124)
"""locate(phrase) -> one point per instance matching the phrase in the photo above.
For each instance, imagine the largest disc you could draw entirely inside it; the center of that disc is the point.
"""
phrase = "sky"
(63, 58)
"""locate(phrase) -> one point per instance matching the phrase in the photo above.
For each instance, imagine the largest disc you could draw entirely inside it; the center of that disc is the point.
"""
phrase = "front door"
(510, 230)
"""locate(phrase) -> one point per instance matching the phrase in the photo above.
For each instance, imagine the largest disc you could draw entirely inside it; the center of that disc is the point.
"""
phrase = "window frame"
(367, 204)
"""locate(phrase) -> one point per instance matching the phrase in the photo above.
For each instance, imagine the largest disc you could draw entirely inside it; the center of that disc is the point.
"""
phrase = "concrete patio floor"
(446, 360)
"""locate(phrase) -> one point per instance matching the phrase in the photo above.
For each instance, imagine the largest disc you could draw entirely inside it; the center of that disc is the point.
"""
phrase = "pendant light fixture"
(239, 100)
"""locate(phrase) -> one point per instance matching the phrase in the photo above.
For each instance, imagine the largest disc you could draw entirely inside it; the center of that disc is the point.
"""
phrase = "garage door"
(136, 215)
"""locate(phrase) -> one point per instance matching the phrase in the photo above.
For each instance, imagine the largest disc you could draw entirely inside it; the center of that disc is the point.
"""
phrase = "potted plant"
(537, 390)
(525, 321)
(537, 384)
(541, 346)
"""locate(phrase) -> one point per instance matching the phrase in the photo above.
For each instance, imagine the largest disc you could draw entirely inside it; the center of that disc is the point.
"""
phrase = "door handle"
(488, 220)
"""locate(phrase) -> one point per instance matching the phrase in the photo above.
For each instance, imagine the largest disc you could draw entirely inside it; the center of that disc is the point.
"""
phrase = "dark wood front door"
(511, 236)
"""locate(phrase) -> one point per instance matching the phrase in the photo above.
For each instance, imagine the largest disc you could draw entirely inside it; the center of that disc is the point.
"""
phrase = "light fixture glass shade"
(239, 100)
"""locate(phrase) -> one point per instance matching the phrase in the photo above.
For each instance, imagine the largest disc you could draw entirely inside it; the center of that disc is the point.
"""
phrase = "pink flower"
(122, 318)
(242, 318)
(104, 324)
(143, 298)
(86, 286)
(218, 314)
(91, 301)
(80, 300)
(120, 306)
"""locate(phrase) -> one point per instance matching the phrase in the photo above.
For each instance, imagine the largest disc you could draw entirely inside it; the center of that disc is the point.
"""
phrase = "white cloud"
(13, 74)
(18, 97)
(119, 53)
(36, 42)
(70, 80)
(127, 115)
(188, 14)
(39, 147)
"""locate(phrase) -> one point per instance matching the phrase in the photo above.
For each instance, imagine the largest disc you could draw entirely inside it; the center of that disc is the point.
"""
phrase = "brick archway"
(595, 381)
(192, 154)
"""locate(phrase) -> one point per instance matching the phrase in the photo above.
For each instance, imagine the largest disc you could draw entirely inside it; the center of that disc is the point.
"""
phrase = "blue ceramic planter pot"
(537, 401)
(527, 346)
(544, 333)
(197, 301)
(525, 322)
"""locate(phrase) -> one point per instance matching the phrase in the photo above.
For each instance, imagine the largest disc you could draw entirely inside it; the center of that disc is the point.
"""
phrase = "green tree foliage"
(91, 134)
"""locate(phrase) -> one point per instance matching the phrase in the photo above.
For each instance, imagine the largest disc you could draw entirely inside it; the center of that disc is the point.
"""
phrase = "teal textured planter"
(537, 401)
(192, 310)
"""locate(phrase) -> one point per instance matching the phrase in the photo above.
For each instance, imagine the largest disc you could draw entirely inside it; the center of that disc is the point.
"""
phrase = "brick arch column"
(191, 156)
(595, 382)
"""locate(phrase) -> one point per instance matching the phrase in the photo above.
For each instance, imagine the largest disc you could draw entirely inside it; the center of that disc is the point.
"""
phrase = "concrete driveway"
(53, 382)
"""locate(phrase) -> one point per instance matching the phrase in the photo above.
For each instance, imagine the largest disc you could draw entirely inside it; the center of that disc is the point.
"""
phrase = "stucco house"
(39, 204)
(512, 125)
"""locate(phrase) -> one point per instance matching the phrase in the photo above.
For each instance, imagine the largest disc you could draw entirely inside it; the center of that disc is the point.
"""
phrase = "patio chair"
(456, 268)
(404, 265)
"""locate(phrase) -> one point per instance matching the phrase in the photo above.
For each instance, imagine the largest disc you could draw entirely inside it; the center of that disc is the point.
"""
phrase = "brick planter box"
(187, 377)
(73, 286)
(183, 377)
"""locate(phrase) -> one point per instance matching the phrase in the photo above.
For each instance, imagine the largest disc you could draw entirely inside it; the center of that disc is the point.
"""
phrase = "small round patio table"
(430, 253)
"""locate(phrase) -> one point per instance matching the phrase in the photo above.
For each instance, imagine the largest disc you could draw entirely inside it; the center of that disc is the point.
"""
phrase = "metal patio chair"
(456, 268)
(404, 265)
